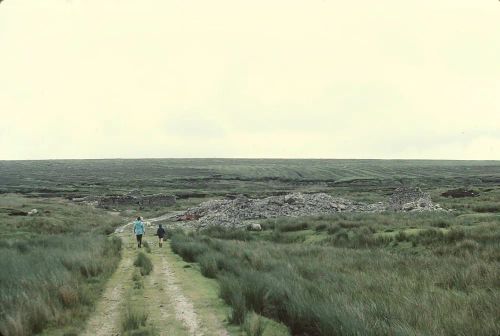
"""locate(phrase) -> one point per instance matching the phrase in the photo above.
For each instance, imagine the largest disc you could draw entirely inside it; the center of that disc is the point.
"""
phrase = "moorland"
(387, 273)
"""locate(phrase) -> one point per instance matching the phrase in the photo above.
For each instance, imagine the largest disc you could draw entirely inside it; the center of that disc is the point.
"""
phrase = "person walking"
(161, 234)
(139, 230)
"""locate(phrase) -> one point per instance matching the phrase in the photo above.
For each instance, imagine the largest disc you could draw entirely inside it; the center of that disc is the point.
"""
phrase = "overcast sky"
(260, 78)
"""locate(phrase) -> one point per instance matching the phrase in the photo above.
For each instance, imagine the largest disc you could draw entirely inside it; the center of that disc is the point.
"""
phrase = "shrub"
(144, 263)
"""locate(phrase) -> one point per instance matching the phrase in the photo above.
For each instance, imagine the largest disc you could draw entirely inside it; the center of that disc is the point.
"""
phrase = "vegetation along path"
(176, 299)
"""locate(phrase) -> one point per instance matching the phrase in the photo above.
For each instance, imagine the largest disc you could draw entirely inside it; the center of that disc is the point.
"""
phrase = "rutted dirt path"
(170, 310)
(105, 320)
(184, 310)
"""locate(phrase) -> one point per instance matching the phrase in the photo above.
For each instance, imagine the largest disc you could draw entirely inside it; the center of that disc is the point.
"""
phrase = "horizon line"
(245, 158)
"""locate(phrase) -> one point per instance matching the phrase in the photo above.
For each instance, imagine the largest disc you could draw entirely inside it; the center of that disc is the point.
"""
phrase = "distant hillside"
(82, 177)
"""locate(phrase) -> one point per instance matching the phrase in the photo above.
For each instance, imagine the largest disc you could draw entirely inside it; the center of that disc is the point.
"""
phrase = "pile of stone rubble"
(411, 199)
(235, 212)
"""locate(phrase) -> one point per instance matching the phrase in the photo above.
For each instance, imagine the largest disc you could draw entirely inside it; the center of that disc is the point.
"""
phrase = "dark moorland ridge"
(74, 178)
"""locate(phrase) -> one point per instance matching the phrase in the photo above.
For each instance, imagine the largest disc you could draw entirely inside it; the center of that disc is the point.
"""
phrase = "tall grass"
(53, 264)
(323, 290)
(51, 279)
(135, 322)
(144, 263)
(254, 325)
(146, 246)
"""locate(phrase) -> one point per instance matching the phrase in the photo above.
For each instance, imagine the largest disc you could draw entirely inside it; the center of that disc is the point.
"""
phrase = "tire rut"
(104, 321)
(184, 309)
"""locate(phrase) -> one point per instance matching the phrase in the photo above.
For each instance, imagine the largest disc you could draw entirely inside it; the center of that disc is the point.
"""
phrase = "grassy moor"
(346, 273)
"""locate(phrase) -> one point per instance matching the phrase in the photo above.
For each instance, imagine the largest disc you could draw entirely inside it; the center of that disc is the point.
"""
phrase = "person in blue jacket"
(139, 230)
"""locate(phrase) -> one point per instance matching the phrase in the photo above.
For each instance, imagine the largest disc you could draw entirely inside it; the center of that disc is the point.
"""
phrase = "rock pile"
(236, 211)
(233, 212)
(411, 199)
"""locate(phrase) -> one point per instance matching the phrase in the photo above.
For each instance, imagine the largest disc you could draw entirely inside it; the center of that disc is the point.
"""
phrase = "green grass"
(254, 325)
(419, 278)
(209, 177)
(135, 322)
(50, 280)
(204, 294)
(144, 263)
(346, 274)
(53, 264)
(146, 246)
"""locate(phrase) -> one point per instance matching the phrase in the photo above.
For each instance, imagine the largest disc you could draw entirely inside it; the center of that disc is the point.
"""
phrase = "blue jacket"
(139, 227)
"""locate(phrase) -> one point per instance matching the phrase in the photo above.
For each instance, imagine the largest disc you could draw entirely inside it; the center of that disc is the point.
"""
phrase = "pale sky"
(255, 78)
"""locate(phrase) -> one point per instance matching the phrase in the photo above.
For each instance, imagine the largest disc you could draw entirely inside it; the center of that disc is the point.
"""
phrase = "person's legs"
(161, 241)
(139, 240)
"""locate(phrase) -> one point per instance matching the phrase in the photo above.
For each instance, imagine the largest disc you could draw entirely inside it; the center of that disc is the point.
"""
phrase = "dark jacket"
(160, 232)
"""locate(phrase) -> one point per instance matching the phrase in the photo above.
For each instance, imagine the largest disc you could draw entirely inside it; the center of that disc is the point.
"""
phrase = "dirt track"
(163, 296)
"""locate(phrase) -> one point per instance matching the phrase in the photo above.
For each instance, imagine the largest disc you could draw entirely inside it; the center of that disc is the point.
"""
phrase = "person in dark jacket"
(161, 234)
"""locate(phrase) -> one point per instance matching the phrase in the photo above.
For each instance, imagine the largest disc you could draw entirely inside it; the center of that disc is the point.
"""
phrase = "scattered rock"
(411, 199)
(234, 212)
(238, 210)
(188, 217)
(32, 212)
(460, 192)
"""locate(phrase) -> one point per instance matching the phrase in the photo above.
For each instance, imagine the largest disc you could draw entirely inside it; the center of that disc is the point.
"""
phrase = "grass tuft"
(254, 325)
(146, 246)
(144, 263)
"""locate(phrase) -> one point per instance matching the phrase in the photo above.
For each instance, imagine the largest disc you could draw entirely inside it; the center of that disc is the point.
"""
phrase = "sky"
(386, 79)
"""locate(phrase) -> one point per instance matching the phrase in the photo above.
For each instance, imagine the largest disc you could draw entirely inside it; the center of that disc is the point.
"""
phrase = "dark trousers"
(139, 240)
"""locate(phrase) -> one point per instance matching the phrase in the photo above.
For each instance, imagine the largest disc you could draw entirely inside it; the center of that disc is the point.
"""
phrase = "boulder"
(32, 212)
(254, 227)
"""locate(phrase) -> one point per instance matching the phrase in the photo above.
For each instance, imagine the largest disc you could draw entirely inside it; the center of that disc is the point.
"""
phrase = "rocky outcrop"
(235, 212)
